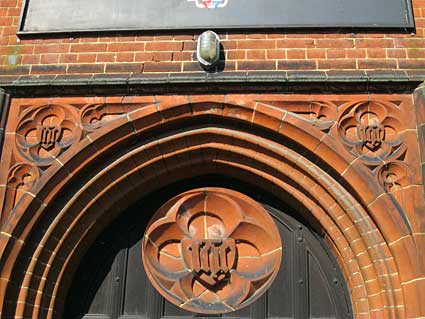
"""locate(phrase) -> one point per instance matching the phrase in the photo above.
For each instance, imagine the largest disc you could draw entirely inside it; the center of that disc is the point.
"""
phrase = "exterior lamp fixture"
(208, 49)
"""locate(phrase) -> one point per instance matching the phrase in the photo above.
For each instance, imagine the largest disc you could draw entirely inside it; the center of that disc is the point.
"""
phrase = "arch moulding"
(349, 163)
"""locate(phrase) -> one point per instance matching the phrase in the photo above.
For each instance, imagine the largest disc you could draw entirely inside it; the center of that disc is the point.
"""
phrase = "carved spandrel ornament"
(211, 250)
(44, 132)
(95, 116)
(20, 180)
(371, 130)
(320, 114)
(394, 176)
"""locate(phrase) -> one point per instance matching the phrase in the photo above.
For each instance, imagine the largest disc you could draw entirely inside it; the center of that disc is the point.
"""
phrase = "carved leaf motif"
(95, 116)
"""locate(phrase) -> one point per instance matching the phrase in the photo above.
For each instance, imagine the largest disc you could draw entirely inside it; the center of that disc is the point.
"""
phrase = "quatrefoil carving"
(371, 130)
(43, 133)
(211, 250)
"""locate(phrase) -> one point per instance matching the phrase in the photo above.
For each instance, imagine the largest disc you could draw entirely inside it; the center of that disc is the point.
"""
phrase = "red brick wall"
(401, 54)
(136, 52)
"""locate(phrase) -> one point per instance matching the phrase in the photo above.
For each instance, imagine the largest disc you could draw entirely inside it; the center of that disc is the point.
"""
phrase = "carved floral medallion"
(211, 250)
(370, 130)
(43, 133)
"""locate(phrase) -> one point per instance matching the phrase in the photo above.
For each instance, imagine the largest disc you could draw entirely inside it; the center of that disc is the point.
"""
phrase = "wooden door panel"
(111, 283)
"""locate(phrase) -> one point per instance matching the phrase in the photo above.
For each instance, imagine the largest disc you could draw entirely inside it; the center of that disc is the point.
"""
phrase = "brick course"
(283, 50)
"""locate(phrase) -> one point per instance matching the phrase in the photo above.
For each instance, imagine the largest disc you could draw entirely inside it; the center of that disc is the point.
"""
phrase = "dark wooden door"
(111, 282)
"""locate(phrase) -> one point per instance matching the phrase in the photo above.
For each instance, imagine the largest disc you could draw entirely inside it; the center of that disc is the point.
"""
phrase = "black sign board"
(46, 16)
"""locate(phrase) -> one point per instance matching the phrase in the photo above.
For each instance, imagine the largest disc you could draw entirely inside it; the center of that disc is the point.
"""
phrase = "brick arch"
(56, 234)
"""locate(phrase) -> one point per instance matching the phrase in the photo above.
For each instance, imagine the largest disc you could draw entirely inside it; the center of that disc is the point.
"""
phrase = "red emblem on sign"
(211, 250)
(210, 4)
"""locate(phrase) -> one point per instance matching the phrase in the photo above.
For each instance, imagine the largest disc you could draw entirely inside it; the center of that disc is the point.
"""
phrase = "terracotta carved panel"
(371, 131)
(211, 250)
(95, 116)
(43, 133)
(394, 176)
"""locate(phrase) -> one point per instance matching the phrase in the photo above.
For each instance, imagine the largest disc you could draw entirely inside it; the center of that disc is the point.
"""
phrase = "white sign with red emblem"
(210, 4)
